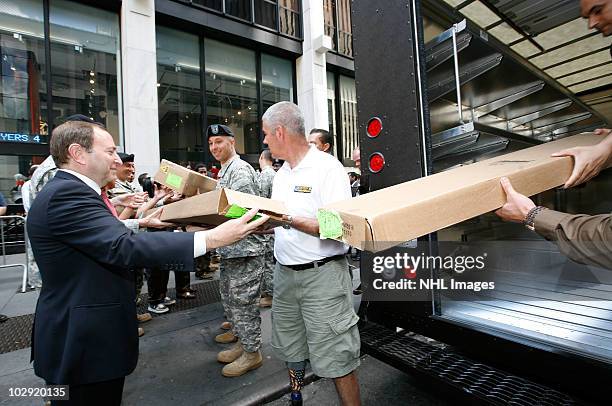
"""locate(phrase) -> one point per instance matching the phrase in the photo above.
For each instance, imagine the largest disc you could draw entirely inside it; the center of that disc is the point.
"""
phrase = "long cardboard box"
(210, 208)
(387, 217)
(183, 180)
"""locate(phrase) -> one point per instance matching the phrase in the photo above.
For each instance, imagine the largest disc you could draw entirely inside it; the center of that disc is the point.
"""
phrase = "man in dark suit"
(85, 329)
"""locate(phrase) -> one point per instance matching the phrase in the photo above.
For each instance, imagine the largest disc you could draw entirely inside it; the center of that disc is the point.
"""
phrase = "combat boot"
(246, 362)
(230, 355)
(226, 338)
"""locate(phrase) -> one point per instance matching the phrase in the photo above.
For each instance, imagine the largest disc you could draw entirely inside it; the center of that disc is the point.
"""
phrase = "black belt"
(320, 262)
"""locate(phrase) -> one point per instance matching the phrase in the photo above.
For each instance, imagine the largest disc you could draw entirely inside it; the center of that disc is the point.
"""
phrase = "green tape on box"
(330, 224)
(174, 181)
(235, 212)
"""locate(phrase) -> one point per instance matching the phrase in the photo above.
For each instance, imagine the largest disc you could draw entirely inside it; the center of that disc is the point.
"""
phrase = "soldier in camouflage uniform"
(43, 174)
(241, 266)
(266, 177)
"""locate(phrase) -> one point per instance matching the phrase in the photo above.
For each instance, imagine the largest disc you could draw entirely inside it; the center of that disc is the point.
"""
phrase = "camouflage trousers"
(34, 279)
(267, 285)
(139, 280)
(239, 283)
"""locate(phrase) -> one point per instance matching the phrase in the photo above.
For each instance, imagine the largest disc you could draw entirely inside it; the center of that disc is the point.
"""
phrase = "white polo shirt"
(319, 179)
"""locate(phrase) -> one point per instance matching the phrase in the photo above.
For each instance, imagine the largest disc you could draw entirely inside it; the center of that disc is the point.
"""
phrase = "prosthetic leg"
(297, 371)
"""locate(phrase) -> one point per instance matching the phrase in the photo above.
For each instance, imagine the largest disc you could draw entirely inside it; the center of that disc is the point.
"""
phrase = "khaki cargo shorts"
(313, 318)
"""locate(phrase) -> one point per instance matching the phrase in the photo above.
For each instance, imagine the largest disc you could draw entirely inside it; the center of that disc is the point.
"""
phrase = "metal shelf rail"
(475, 87)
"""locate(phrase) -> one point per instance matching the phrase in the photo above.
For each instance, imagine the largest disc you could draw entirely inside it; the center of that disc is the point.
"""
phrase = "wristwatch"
(289, 221)
(529, 221)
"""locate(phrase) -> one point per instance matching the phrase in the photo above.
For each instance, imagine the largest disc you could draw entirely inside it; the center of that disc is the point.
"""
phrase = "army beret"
(126, 157)
(218, 130)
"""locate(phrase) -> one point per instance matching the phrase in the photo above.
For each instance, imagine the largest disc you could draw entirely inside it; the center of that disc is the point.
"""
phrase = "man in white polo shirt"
(312, 312)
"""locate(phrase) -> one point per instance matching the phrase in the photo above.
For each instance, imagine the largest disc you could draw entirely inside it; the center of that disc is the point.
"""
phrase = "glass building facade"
(235, 87)
(63, 57)
(76, 62)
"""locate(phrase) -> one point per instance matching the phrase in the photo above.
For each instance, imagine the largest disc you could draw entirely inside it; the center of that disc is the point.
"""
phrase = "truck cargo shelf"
(574, 315)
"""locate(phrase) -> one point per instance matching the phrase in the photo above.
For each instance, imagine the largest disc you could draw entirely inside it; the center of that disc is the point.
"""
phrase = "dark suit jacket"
(85, 327)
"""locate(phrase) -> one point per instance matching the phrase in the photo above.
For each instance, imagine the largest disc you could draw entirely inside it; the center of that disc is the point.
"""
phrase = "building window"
(329, 18)
(348, 109)
(342, 114)
(345, 32)
(213, 4)
(231, 90)
(276, 80)
(23, 87)
(82, 73)
(231, 93)
(337, 17)
(282, 16)
(239, 8)
(289, 11)
(178, 94)
(84, 64)
(265, 13)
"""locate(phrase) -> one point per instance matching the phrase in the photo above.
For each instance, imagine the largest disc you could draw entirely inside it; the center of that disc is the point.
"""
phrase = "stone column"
(310, 67)
(139, 77)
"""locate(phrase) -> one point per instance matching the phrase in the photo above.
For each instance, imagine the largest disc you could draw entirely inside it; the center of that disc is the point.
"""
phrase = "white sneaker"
(168, 301)
(159, 308)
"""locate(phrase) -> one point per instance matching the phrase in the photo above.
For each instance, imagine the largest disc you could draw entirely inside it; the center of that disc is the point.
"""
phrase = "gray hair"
(285, 114)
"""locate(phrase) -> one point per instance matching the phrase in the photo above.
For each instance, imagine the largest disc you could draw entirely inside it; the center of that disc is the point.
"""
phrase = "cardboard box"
(210, 208)
(183, 180)
(387, 217)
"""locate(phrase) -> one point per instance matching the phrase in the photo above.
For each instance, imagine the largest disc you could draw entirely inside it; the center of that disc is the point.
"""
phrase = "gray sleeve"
(131, 224)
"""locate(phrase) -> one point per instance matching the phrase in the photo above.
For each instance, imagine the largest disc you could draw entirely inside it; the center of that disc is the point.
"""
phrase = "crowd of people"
(88, 209)
(86, 217)
(304, 279)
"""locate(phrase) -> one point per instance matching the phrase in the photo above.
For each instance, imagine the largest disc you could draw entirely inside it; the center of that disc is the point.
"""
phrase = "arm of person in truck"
(589, 161)
(584, 239)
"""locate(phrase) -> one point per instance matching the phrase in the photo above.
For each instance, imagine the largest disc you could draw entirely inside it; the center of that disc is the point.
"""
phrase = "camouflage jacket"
(265, 179)
(123, 187)
(240, 176)
(43, 174)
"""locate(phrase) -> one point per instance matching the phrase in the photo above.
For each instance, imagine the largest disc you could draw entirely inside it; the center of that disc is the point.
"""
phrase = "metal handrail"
(26, 266)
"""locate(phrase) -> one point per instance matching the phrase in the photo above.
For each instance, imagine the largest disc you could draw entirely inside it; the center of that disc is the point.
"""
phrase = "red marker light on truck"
(374, 127)
(377, 162)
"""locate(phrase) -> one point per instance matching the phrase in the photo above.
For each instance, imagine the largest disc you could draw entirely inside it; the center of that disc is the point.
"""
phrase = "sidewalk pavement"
(178, 364)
